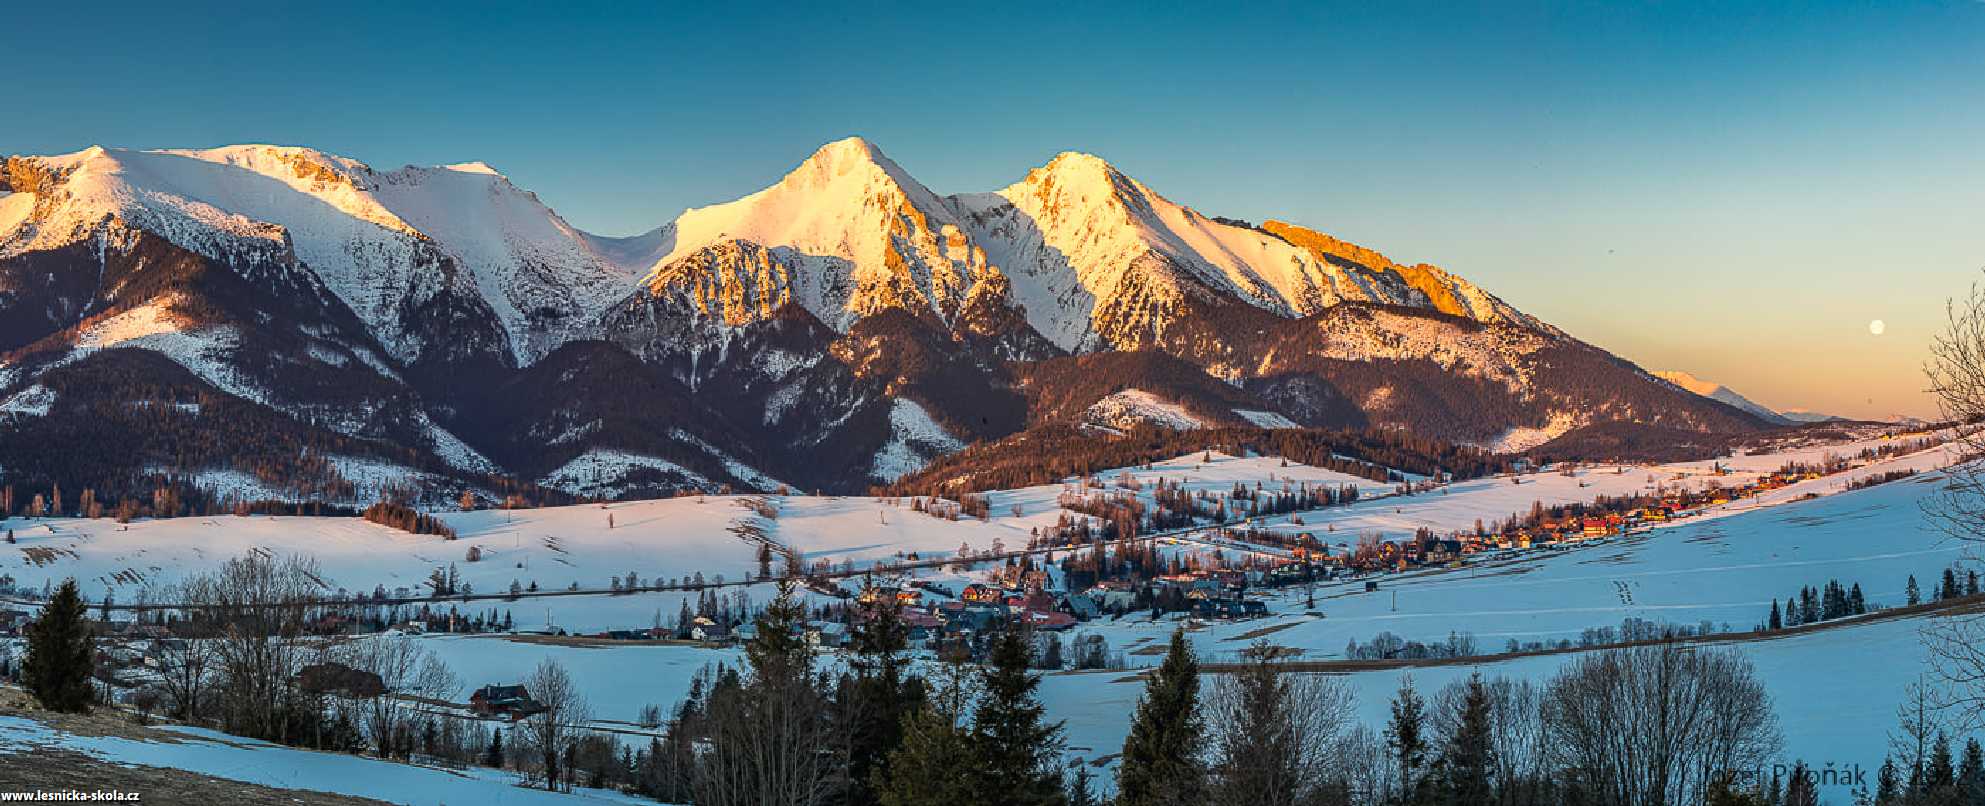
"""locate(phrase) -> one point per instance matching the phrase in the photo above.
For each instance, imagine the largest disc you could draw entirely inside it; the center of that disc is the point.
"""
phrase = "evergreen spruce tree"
(779, 652)
(1081, 792)
(1887, 788)
(1971, 773)
(493, 757)
(771, 736)
(1941, 775)
(1800, 788)
(1471, 750)
(1776, 623)
(1722, 792)
(1161, 756)
(1019, 749)
(936, 763)
(880, 697)
(61, 655)
(1404, 736)
(1856, 603)
(1913, 594)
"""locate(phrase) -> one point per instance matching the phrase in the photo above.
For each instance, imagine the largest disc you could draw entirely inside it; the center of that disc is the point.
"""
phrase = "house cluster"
(503, 702)
(981, 609)
(818, 633)
(1673, 505)
(989, 607)
(1599, 521)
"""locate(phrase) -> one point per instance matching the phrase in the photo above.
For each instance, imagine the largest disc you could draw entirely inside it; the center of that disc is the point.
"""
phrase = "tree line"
(1050, 454)
(1663, 723)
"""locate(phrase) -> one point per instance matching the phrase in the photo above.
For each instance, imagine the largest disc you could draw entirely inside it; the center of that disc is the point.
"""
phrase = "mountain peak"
(855, 147)
(1079, 161)
(861, 233)
(851, 155)
(473, 167)
(1722, 394)
(1689, 381)
(1081, 170)
(853, 164)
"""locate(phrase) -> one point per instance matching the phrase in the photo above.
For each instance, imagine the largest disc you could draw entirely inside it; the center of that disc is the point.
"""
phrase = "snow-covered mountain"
(1101, 261)
(839, 327)
(386, 243)
(845, 235)
(1719, 392)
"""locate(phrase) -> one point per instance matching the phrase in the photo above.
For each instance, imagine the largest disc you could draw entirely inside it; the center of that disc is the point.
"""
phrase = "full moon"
(1876, 327)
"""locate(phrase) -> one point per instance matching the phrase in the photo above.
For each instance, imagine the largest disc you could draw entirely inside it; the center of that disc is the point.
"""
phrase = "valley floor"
(1835, 690)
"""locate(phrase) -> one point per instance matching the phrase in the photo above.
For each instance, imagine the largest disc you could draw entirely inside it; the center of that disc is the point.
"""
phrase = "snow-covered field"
(1835, 692)
(559, 546)
(236, 759)
(1724, 567)
(674, 539)
(1725, 571)
(617, 680)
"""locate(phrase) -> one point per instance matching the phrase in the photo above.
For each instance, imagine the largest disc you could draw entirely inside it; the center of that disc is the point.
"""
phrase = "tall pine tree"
(936, 763)
(61, 655)
(493, 757)
(1800, 787)
(1471, 755)
(1021, 751)
(1887, 785)
(1405, 737)
(880, 696)
(1080, 791)
(1941, 774)
(1161, 756)
(1971, 773)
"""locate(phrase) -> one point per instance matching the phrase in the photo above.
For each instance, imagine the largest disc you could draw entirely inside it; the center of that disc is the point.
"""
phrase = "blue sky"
(1732, 189)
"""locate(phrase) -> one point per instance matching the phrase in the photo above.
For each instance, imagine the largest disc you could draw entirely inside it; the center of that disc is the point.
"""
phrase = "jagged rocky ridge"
(441, 326)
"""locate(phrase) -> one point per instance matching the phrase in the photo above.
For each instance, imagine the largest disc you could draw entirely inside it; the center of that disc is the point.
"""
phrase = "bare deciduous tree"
(1365, 766)
(258, 605)
(554, 728)
(409, 674)
(184, 672)
(1656, 725)
(1956, 373)
(1518, 738)
(1918, 729)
